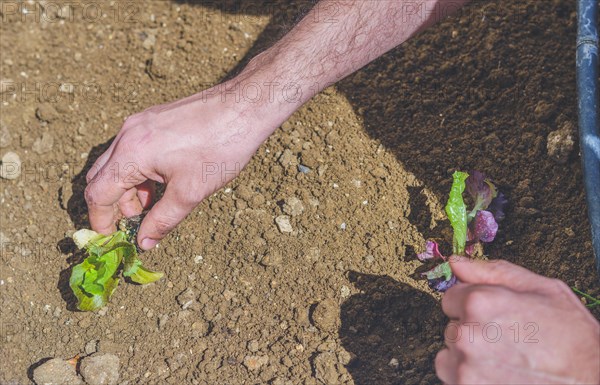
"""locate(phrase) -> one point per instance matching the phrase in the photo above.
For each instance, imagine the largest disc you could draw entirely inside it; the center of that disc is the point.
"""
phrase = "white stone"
(283, 223)
(11, 166)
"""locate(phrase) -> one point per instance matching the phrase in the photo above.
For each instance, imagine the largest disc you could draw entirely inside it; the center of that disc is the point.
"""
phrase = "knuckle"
(164, 223)
(189, 195)
(132, 140)
(90, 174)
(89, 195)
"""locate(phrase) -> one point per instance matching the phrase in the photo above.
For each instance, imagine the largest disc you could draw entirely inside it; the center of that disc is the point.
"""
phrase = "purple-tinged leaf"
(497, 206)
(470, 247)
(482, 190)
(441, 285)
(432, 251)
(484, 227)
(440, 278)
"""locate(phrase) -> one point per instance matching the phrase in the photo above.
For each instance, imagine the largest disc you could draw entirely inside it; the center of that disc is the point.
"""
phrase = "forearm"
(335, 39)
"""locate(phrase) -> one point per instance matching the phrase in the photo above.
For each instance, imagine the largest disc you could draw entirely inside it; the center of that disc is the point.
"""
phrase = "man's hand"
(197, 144)
(511, 326)
(194, 146)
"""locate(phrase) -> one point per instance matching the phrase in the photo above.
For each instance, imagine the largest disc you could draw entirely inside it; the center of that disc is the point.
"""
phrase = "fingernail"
(148, 243)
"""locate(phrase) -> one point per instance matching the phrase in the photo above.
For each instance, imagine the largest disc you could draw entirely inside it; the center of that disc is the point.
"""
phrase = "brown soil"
(324, 304)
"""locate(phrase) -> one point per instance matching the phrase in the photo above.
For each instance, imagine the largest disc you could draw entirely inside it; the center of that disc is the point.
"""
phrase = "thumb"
(164, 216)
(494, 272)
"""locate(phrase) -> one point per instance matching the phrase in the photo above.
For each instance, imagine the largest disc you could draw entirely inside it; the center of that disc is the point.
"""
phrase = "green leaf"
(130, 261)
(90, 296)
(441, 270)
(94, 280)
(78, 274)
(103, 245)
(89, 284)
(92, 302)
(143, 276)
(457, 212)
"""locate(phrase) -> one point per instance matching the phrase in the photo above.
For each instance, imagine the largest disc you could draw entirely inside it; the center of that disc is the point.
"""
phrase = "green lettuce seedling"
(470, 227)
(95, 279)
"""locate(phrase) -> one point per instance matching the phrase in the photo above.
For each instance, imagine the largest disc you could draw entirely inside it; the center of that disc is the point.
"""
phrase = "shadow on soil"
(75, 205)
(392, 330)
(77, 210)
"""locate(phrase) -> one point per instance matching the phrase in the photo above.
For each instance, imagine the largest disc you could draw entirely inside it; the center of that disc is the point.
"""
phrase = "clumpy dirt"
(338, 300)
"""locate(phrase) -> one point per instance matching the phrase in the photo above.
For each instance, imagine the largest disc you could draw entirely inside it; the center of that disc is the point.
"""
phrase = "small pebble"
(293, 206)
(288, 158)
(11, 166)
(149, 41)
(254, 363)
(91, 347)
(283, 223)
(43, 144)
(272, 258)
(46, 112)
(200, 328)
(253, 346)
(345, 291)
(379, 172)
(560, 145)
(162, 321)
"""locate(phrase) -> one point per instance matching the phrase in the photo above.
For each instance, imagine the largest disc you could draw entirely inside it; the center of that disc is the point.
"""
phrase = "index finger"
(104, 191)
(495, 272)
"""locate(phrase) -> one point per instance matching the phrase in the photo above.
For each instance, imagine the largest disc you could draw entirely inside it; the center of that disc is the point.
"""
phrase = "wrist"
(269, 90)
(253, 102)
